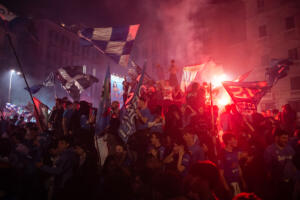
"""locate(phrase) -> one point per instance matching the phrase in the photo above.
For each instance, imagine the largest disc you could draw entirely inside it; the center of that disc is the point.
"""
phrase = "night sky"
(90, 12)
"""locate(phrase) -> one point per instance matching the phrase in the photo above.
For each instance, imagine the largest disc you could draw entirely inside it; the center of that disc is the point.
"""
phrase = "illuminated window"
(84, 69)
(94, 71)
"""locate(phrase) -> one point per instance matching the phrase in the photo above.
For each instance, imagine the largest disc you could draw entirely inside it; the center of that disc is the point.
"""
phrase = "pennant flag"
(243, 76)
(34, 89)
(74, 81)
(246, 95)
(115, 42)
(41, 115)
(127, 127)
(278, 69)
(103, 114)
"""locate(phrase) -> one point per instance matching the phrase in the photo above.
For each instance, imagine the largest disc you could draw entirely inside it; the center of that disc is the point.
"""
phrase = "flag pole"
(212, 118)
(22, 71)
(140, 68)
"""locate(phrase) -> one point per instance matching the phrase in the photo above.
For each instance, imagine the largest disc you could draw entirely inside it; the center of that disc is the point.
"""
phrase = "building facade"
(55, 47)
(246, 35)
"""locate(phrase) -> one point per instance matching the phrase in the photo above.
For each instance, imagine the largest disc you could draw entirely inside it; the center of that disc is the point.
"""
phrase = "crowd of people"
(182, 149)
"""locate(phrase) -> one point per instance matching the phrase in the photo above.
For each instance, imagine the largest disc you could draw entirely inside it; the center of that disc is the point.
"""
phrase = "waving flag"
(103, 114)
(41, 115)
(50, 80)
(278, 69)
(74, 81)
(246, 95)
(127, 127)
(34, 89)
(116, 42)
(243, 76)
(189, 75)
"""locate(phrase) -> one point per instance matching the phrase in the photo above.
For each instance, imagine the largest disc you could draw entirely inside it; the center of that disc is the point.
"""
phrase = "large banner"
(117, 89)
(246, 95)
(189, 75)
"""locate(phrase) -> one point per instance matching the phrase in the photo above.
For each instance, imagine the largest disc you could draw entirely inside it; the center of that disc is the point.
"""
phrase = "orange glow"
(218, 79)
(223, 100)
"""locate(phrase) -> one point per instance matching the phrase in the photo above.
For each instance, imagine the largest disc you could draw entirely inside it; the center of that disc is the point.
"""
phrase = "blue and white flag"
(116, 42)
(127, 127)
(74, 81)
(103, 114)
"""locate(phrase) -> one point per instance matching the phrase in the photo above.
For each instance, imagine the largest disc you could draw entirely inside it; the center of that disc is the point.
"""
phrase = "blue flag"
(34, 89)
(127, 127)
(115, 42)
(103, 114)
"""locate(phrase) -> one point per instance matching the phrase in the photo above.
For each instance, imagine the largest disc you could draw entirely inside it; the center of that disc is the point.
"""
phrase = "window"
(260, 4)
(94, 71)
(265, 60)
(262, 31)
(293, 54)
(289, 23)
(84, 69)
(295, 83)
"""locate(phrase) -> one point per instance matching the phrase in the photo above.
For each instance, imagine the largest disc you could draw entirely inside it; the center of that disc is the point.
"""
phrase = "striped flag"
(127, 127)
(115, 42)
(189, 75)
(103, 114)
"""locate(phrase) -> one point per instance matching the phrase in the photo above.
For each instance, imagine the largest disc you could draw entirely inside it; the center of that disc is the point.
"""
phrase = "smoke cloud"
(179, 26)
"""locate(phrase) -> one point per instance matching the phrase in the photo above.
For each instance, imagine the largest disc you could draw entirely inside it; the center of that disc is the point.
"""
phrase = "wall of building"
(245, 35)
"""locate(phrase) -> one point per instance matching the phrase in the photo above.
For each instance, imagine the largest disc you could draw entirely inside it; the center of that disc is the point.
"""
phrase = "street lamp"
(12, 71)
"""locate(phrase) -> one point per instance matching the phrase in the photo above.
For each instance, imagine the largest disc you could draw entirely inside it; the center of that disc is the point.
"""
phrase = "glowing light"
(218, 79)
(12, 71)
(223, 100)
(18, 73)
